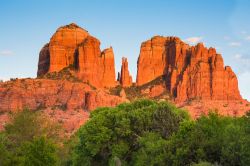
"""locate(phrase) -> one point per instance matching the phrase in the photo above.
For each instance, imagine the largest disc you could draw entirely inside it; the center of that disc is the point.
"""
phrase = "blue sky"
(123, 24)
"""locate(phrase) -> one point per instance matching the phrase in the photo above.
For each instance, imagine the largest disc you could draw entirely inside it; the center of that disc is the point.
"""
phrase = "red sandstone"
(125, 78)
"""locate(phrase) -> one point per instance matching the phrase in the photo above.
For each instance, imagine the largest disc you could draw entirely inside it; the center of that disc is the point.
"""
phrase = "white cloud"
(6, 52)
(234, 44)
(237, 56)
(248, 38)
(193, 40)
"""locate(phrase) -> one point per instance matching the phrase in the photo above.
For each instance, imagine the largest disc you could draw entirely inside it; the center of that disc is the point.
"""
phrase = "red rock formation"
(94, 66)
(63, 101)
(191, 72)
(125, 78)
(44, 93)
(108, 68)
(96, 99)
(59, 52)
(63, 44)
(72, 45)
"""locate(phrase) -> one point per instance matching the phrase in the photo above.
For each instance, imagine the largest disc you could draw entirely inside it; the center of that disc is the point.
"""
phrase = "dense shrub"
(30, 139)
(149, 133)
(115, 134)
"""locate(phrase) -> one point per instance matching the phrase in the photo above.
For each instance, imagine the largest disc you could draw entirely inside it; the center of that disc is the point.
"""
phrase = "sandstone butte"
(74, 46)
(192, 77)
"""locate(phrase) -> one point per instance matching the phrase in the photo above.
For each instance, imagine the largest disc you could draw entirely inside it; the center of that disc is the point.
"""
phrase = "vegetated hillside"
(143, 132)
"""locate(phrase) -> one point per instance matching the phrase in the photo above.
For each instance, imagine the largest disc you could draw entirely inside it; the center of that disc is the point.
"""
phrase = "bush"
(39, 151)
(30, 139)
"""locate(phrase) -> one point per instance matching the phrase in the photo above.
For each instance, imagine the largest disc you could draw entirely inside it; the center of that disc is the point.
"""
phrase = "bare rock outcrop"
(75, 47)
(190, 71)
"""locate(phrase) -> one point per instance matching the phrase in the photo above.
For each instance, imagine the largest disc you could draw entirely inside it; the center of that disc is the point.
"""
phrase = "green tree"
(151, 151)
(26, 124)
(211, 138)
(39, 152)
(113, 135)
(27, 128)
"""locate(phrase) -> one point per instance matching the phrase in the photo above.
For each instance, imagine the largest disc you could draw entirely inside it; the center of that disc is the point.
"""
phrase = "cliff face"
(44, 93)
(191, 72)
(94, 66)
(59, 52)
(74, 46)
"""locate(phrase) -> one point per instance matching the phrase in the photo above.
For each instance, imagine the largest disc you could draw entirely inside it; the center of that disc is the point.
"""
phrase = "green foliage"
(39, 152)
(29, 139)
(115, 134)
(203, 164)
(5, 157)
(25, 125)
(143, 132)
(151, 151)
(215, 139)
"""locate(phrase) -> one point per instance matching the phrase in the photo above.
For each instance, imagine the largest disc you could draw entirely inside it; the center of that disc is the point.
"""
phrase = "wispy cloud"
(193, 40)
(234, 44)
(6, 52)
(238, 56)
(243, 32)
(248, 38)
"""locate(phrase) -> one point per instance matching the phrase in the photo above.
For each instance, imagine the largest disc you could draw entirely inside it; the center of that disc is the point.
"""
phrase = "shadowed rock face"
(190, 71)
(73, 46)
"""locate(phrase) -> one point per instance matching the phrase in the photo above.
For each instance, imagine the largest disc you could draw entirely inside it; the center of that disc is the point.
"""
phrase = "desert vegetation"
(143, 132)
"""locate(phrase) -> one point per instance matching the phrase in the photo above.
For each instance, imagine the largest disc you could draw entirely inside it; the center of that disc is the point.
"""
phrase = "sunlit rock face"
(190, 71)
(73, 46)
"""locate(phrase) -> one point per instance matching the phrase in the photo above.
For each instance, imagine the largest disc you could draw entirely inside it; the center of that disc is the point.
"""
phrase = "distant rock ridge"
(191, 72)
